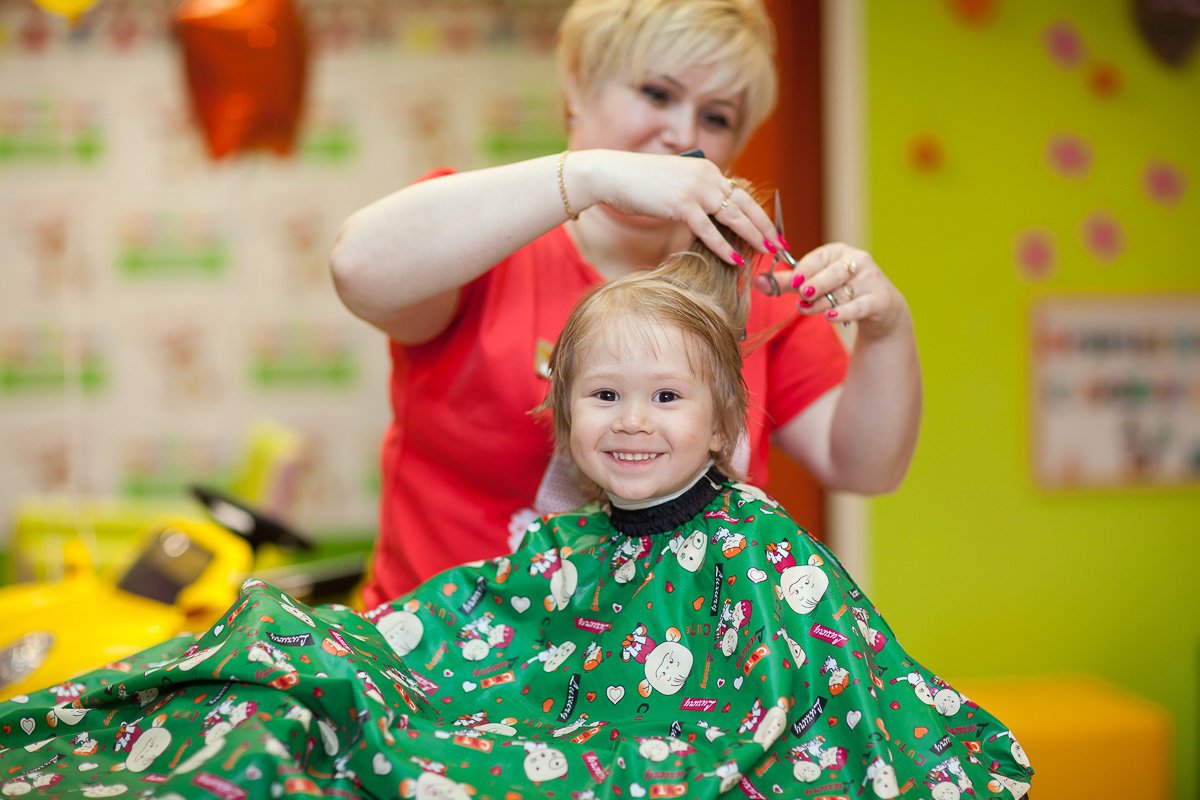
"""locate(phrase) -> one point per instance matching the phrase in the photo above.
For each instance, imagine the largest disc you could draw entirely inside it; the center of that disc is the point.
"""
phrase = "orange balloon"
(245, 62)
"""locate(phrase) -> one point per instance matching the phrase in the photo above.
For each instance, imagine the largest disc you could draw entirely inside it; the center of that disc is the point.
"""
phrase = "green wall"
(982, 572)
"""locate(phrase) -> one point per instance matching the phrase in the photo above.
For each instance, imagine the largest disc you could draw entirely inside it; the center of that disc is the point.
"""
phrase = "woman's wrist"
(579, 178)
(562, 185)
(899, 323)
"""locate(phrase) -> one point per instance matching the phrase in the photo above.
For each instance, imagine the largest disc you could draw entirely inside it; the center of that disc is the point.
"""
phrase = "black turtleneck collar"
(669, 516)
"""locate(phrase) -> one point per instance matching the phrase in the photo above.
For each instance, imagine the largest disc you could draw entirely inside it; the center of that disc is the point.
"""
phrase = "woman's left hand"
(861, 437)
(843, 284)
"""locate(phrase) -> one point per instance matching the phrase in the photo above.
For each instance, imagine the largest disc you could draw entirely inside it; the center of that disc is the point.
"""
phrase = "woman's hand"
(860, 437)
(692, 191)
(844, 284)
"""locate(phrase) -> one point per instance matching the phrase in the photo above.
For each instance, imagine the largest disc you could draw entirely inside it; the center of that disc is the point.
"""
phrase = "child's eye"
(665, 396)
(606, 395)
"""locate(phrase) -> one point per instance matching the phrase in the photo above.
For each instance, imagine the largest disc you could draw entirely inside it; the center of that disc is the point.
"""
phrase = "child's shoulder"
(578, 517)
(748, 492)
(742, 495)
(568, 527)
(750, 500)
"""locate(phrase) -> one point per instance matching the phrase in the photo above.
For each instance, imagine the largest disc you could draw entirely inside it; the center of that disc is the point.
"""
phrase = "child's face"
(642, 423)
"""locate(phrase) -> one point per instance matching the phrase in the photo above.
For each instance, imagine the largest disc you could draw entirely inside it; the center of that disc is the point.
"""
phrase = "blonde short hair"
(604, 40)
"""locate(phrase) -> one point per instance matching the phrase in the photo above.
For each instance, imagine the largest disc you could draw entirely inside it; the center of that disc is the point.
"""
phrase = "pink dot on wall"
(1069, 156)
(1034, 254)
(1103, 236)
(1064, 45)
(1164, 183)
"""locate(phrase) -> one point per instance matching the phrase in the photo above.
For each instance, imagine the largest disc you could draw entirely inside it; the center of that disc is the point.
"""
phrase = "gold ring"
(725, 203)
(732, 186)
(851, 268)
(849, 292)
(830, 298)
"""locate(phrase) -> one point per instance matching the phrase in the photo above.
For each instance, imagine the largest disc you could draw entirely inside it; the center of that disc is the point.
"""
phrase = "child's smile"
(623, 456)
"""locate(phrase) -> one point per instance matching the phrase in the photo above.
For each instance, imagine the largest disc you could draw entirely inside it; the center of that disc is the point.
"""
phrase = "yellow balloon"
(71, 9)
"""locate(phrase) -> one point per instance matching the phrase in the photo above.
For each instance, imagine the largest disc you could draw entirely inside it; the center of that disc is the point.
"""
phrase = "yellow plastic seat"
(1076, 728)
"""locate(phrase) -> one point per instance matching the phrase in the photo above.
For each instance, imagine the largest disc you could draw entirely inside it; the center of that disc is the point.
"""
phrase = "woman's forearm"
(422, 243)
(878, 415)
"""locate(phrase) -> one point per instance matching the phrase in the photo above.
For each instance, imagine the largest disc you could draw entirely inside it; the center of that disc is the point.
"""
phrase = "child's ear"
(572, 93)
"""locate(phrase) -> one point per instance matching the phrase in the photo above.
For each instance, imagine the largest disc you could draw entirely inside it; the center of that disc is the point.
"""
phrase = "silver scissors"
(780, 254)
(787, 258)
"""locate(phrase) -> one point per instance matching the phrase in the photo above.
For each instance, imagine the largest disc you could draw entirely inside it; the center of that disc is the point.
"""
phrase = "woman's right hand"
(692, 191)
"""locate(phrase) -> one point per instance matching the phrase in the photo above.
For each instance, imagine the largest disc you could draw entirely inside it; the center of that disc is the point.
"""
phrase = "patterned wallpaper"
(154, 304)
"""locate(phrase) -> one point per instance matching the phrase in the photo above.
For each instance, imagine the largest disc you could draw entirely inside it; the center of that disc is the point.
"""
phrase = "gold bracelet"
(562, 186)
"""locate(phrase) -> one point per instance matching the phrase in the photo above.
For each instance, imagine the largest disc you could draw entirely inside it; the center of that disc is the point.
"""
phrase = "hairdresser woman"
(471, 275)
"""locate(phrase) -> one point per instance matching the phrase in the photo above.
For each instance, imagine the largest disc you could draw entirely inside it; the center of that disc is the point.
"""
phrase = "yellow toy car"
(186, 573)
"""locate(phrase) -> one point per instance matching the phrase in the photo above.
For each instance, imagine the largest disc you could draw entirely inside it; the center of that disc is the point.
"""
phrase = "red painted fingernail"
(737, 259)
(783, 243)
(831, 313)
(809, 291)
(770, 247)
(805, 304)
(797, 279)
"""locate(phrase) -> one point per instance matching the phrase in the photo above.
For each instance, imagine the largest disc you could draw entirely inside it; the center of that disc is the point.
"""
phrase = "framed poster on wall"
(1115, 390)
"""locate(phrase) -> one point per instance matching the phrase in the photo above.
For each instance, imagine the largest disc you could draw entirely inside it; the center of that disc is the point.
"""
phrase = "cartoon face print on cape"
(883, 779)
(555, 655)
(773, 724)
(562, 585)
(288, 606)
(563, 575)
(690, 551)
(803, 587)
(149, 746)
(69, 713)
(435, 786)
(624, 563)
(734, 617)
(545, 764)
(668, 663)
(195, 656)
(401, 629)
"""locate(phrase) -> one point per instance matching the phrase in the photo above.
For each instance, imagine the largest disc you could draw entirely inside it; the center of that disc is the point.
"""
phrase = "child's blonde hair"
(694, 292)
(635, 40)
